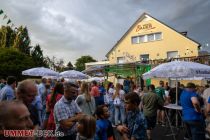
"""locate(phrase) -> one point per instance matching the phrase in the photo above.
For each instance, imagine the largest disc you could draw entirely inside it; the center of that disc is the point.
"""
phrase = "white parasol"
(73, 74)
(178, 69)
(97, 79)
(40, 71)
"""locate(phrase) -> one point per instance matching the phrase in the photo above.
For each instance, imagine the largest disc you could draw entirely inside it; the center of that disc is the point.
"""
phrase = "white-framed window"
(172, 54)
(135, 40)
(151, 37)
(158, 36)
(142, 38)
(120, 60)
(146, 38)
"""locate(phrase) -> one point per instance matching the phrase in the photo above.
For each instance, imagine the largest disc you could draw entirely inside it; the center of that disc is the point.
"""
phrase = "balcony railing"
(205, 59)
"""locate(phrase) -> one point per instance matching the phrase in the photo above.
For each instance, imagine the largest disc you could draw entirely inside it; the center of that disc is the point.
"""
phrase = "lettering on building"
(129, 56)
(144, 27)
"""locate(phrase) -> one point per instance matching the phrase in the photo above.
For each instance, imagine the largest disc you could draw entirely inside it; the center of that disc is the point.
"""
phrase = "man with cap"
(191, 112)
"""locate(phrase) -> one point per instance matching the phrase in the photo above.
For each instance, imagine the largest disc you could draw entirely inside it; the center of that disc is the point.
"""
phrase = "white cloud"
(69, 29)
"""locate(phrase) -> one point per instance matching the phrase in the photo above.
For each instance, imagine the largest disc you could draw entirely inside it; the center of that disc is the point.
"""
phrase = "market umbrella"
(51, 77)
(94, 68)
(97, 79)
(73, 74)
(178, 69)
(97, 70)
(40, 71)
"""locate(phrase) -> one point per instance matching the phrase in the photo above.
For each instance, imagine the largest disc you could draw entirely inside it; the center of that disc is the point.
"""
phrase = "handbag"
(117, 101)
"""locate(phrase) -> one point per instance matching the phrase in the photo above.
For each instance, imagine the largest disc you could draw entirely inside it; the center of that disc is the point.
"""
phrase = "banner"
(8, 22)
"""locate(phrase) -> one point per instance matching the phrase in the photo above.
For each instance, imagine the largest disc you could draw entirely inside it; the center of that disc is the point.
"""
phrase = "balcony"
(204, 59)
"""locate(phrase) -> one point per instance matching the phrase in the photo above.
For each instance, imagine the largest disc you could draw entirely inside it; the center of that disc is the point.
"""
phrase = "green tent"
(128, 70)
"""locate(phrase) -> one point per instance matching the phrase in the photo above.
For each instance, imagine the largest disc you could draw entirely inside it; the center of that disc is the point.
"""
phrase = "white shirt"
(109, 95)
(122, 94)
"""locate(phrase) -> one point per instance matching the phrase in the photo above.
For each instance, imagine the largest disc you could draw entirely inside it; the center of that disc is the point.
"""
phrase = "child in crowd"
(104, 130)
(86, 128)
(134, 127)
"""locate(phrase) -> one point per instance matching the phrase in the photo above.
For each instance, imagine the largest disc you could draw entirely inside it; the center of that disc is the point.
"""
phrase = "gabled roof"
(137, 21)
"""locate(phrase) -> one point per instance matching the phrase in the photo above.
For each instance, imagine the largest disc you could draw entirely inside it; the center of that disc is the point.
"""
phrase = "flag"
(1, 11)
(8, 22)
(5, 16)
(12, 25)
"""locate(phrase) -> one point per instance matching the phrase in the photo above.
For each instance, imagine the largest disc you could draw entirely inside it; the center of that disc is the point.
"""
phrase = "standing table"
(178, 109)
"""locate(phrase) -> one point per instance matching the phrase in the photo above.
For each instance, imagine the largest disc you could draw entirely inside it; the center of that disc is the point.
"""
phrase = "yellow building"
(149, 39)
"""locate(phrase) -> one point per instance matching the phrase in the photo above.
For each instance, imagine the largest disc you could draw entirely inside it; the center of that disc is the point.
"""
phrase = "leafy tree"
(17, 38)
(37, 56)
(55, 64)
(51, 62)
(22, 40)
(80, 62)
(13, 62)
(59, 65)
(47, 59)
(69, 66)
(7, 36)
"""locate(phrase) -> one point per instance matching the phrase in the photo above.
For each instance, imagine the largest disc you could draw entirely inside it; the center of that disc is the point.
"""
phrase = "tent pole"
(176, 92)
(176, 102)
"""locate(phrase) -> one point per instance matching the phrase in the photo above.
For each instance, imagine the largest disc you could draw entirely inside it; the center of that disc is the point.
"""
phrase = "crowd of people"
(92, 111)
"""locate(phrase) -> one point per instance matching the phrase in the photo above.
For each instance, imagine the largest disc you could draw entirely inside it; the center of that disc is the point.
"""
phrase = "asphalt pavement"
(163, 133)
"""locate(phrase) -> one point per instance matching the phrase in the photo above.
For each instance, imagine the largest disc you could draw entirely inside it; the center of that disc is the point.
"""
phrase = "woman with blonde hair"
(86, 128)
(85, 101)
(118, 98)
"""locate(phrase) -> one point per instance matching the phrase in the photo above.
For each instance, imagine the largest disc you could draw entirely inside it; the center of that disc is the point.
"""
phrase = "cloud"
(70, 29)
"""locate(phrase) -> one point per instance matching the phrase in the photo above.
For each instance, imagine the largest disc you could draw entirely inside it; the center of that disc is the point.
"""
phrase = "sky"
(69, 29)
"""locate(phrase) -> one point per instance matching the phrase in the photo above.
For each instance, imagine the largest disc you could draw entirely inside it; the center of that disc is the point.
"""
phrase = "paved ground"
(161, 133)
